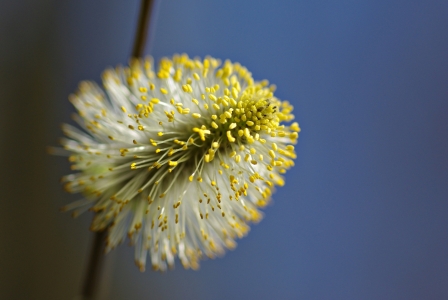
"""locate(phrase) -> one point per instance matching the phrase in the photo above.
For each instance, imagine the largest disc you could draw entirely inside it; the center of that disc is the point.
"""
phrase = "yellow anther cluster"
(203, 131)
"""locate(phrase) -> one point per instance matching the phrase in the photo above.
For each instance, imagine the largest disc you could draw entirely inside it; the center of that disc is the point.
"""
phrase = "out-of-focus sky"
(363, 215)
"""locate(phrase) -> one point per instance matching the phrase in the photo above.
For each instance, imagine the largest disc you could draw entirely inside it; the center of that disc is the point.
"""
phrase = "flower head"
(178, 159)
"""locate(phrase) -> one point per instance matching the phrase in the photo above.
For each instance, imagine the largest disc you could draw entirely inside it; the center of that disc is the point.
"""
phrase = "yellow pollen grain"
(163, 91)
(196, 115)
(234, 93)
(177, 75)
(295, 127)
(230, 137)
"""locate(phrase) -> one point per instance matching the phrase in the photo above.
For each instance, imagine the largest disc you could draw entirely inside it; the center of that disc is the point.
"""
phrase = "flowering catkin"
(179, 160)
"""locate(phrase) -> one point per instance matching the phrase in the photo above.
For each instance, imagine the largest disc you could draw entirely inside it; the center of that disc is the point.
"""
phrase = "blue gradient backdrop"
(363, 215)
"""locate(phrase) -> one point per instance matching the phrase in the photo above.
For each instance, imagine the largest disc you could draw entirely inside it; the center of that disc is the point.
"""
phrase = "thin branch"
(142, 28)
(93, 274)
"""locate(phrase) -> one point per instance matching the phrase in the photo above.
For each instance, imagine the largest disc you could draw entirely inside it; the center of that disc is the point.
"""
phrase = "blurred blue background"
(364, 212)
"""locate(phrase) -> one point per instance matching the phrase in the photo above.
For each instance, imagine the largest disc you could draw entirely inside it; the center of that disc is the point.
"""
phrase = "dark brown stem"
(142, 28)
(93, 273)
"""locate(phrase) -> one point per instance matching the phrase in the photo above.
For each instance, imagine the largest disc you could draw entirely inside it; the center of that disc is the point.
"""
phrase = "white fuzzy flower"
(179, 160)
